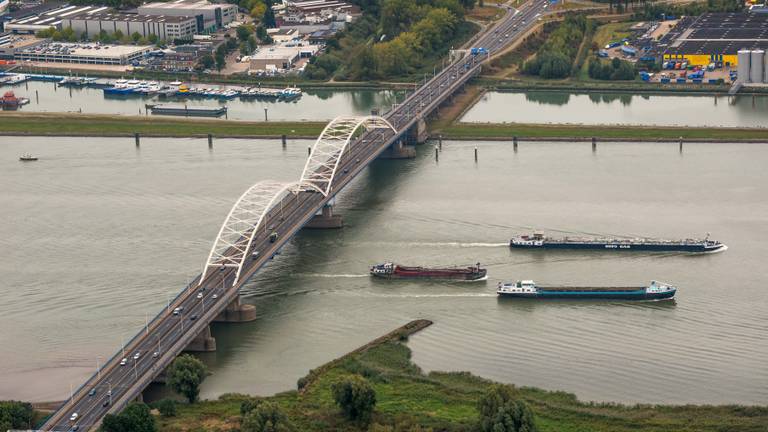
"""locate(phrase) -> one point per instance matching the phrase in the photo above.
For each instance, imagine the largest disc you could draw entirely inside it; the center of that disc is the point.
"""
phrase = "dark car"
(193, 317)
(105, 403)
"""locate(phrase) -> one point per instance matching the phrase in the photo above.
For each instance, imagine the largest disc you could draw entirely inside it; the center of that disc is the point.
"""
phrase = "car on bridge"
(124, 361)
(73, 417)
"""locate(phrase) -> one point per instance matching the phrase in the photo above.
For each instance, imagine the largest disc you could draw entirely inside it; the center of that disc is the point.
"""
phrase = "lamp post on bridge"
(98, 366)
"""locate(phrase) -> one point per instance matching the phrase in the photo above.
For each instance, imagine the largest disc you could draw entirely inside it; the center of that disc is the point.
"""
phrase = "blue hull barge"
(539, 241)
(528, 289)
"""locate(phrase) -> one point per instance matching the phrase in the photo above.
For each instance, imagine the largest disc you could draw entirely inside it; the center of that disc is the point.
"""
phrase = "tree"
(269, 15)
(185, 375)
(135, 418)
(500, 411)
(15, 415)
(136, 37)
(243, 32)
(355, 397)
(265, 417)
(153, 39)
(207, 61)
(166, 407)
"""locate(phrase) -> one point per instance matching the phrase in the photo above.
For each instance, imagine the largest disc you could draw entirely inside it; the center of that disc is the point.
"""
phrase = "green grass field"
(640, 133)
(113, 125)
(447, 402)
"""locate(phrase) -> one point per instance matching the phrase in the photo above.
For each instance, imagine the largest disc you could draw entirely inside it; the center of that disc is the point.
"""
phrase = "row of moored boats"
(177, 88)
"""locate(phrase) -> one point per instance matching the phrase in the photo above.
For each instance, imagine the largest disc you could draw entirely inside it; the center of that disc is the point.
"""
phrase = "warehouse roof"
(725, 47)
(186, 4)
(122, 17)
(730, 20)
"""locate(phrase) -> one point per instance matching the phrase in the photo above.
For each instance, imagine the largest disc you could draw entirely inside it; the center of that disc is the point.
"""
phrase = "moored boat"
(540, 241)
(395, 271)
(528, 289)
(27, 157)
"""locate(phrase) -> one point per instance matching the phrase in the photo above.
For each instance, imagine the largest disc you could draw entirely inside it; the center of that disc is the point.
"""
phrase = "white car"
(123, 362)
(215, 296)
(155, 354)
(199, 295)
(136, 356)
(73, 417)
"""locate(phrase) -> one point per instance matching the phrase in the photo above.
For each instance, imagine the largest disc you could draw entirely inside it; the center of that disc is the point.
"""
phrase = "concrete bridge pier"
(399, 150)
(203, 342)
(237, 312)
(418, 134)
(325, 220)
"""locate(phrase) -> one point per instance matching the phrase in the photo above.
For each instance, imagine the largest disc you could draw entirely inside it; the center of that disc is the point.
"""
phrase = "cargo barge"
(396, 271)
(187, 111)
(539, 241)
(528, 289)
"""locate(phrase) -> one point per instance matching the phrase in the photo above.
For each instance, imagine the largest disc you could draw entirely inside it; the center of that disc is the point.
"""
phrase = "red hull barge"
(396, 271)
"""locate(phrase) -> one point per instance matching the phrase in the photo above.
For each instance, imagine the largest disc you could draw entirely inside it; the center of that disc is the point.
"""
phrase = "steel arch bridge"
(338, 135)
(247, 217)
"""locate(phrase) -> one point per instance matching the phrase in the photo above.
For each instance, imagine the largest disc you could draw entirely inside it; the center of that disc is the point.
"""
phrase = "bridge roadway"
(168, 335)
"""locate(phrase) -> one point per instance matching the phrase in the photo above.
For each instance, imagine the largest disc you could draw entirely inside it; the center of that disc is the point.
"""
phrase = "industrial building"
(36, 19)
(64, 52)
(280, 57)
(164, 27)
(210, 16)
(716, 37)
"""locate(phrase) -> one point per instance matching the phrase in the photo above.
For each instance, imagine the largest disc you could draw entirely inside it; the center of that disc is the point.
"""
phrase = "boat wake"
(334, 276)
(431, 295)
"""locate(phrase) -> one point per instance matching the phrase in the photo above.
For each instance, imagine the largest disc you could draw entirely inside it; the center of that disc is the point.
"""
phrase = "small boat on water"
(395, 271)
(26, 157)
(10, 101)
(528, 289)
(540, 241)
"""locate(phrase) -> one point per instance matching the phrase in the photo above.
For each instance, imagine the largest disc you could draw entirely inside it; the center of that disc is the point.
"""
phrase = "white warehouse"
(211, 16)
(164, 27)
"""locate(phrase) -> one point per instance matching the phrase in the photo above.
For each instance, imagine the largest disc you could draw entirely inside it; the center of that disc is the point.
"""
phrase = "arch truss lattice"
(243, 223)
(338, 135)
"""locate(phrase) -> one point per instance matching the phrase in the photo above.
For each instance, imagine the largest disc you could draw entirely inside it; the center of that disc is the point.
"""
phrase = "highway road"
(167, 334)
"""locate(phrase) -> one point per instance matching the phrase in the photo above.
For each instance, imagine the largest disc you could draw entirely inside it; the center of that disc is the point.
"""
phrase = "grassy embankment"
(61, 124)
(578, 132)
(447, 401)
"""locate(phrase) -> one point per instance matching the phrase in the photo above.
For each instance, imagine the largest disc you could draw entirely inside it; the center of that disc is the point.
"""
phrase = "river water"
(97, 234)
(602, 108)
(314, 105)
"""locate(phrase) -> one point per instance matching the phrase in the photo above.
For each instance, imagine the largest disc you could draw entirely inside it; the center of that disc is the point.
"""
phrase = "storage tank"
(756, 66)
(743, 58)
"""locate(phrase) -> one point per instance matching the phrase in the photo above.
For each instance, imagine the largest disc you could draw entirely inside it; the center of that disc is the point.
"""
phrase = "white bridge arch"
(337, 136)
(247, 217)
(243, 223)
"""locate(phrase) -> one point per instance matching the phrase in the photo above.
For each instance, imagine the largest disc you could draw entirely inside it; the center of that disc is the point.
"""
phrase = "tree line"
(555, 58)
(69, 35)
(393, 38)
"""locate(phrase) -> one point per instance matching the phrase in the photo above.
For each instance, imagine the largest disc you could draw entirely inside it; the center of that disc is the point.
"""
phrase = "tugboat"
(539, 241)
(395, 271)
(26, 157)
(529, 289)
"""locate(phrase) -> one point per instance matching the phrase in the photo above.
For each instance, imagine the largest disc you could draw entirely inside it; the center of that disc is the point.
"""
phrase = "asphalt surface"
(168, 333)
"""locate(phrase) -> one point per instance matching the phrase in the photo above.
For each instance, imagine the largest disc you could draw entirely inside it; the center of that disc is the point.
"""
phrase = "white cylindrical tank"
(743, 68)
(756, 66)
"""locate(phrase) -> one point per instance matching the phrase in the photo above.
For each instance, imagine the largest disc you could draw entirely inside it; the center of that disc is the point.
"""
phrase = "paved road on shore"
(166, 335)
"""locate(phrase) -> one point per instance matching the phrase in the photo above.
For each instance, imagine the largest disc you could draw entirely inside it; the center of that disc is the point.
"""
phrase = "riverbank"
(66, 124)
(407, 396)
(564, 132)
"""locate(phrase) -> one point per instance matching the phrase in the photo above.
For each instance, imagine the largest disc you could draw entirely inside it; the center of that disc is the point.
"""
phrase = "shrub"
(355, 397)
